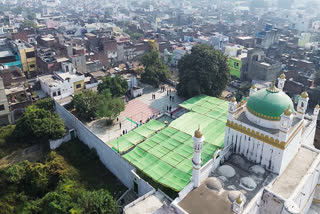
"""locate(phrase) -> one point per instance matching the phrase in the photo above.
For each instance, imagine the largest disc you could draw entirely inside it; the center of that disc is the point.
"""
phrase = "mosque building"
(268, 163)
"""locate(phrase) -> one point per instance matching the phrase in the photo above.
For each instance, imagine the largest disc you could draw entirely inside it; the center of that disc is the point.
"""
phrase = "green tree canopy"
(29, 24)
(85, 104)
(46, 103)
(74, 181)
(109, 106)
(203, 71)
(89, 104)
(155, 70)
(38, 124)
(117, 85)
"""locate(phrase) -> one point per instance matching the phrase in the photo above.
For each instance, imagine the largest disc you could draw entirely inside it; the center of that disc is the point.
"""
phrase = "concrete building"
(27, 56)
(11, 75)
(5, 116)
(218, 41)
(62, 84)
(237, 58)
(260, 67)
(267, 38)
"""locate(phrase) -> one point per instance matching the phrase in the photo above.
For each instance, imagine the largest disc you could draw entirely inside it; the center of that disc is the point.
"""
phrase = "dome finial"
(239, 200)
(273, 87)
(233, 99)
(282, 76)
(304, 95)
(288, 111)
(198, 133)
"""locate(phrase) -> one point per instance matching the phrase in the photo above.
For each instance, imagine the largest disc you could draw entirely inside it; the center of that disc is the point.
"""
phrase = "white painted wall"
(255, 150)
(54, 144)
(65, 87)
(111, 159)
(262, 122)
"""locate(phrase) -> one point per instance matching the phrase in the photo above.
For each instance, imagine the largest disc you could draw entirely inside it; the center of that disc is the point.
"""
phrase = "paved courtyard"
(140, 108)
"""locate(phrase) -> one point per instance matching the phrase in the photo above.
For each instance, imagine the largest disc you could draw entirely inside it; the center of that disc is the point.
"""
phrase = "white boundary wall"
(111, 159)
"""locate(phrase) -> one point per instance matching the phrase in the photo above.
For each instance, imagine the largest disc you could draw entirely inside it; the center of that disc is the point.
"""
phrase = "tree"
(85, 104)
(203, 71)
(29, 24)
(108, 106)
(38, 124)
(117, 85)
(155, 70)
(46, 103)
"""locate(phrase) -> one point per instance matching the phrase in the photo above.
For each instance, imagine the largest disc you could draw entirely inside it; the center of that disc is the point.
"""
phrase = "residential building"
(5, 116)
(268, 37)
(237, 57)
(260, 67)
(11, 75)
(27, 56)
(62, 84)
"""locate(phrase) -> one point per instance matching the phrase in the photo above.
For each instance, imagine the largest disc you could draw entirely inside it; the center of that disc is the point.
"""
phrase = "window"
(30, 54)
(59, 93)
(1, 107)
(54, 94)
(32, 66)
(78, 86)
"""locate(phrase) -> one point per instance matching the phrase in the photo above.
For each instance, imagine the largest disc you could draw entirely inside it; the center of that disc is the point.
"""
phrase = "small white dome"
(214, 184)
(226, 171)
(248, 183)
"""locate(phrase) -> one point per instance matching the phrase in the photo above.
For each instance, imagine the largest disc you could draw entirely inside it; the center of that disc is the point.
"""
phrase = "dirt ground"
(32, 154)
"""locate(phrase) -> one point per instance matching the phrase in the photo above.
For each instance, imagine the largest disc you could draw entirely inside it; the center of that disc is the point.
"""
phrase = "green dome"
(269, 103)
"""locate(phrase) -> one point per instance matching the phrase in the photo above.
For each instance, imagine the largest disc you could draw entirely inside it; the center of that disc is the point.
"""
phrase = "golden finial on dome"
(273, 87)
(282, 76)
(304, 95)
(233, 99)
(254, 86)
(288, 111)
(317, 106)
(198, 133)
(239, 200)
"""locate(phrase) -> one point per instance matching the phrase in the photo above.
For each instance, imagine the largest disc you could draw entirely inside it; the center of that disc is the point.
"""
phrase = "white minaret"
(281, 81)
(232, 108)
(253, 89)
(302, 104)
(316, 113)
(198, 138)
(285, 124)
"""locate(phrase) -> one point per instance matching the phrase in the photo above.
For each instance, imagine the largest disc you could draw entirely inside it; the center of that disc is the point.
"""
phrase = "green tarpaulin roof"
(166, 156)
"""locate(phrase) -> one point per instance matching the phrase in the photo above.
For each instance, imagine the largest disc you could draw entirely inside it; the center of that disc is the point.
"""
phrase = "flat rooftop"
(66, 75)
(6, 53)
(49, 80)
(237, 176)
(286, 183)
(149, 205)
